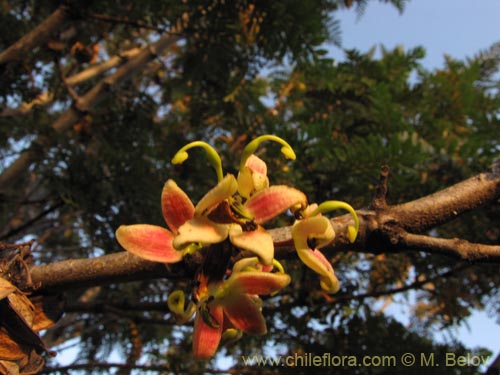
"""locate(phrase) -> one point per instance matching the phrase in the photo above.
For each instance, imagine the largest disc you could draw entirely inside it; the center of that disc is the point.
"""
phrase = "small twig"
(379, 201)
(390, 292)
(71, 91)
(5, 246)
(30, 222)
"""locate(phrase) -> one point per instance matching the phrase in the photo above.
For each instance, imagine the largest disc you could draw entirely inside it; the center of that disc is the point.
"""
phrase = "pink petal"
(269, 203)
(258, 241)
(150, 242)
(176, 206)
(244, 313)
(256, 164)
(205, 338)
(200, 230)
(257, 282)
(223, 190)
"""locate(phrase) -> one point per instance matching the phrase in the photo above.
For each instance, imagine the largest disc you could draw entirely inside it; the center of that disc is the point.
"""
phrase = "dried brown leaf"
(9, 349)
(6, 288)
(32, 364)
(48, 310)
(9, 368)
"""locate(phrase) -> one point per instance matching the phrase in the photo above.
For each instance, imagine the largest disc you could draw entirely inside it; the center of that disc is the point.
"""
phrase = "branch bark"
(383, 230)
(86, 102)
(97, 69)
(37, 36)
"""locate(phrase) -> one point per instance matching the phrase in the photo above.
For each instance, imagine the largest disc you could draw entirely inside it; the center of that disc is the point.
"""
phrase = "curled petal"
(315, 260)
(150, 242)
(200, 230)
(247, 264)
(253, 176)
(244, 313)
(258, 242)
(206, 338)
(310, 209)
(223, 190)
(256, 282)
(316, 229)
(230, 336)
(176, 301)
(176, 206)
(269, 203)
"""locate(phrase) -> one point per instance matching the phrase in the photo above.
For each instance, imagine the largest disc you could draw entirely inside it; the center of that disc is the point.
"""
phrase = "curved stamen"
(213, 157)
(252, 146)
(176, 303)
(328, 206)
(278, 266)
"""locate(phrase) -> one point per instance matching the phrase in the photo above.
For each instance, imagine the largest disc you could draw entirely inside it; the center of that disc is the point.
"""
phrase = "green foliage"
(344, 120)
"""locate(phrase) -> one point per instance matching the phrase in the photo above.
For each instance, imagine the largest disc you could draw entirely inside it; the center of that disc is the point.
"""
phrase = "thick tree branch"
(106, 269)
(36, 37)
(86, 102)
(381, 230)
(428, 212)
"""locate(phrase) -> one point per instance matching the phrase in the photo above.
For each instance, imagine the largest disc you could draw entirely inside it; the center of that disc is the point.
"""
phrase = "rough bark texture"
(36, 37)
(82, 105)
(384, 229)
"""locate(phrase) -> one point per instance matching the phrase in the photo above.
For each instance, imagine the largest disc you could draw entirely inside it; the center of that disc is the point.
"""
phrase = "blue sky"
(458, 28)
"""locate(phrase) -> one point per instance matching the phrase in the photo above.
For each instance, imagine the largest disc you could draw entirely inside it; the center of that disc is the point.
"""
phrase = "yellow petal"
(316, 231)
(245, 182)
(200, 230)
(223, 190)
(258, 241)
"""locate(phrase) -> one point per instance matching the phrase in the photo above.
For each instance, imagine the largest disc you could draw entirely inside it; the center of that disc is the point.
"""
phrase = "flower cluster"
(228, 220)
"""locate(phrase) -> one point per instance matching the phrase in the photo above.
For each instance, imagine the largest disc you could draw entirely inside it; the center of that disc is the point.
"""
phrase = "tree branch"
(97, 69)
(419, 283)
(111, 268)
(455, 247)
(93, 97)
(381, 231)
(428, 212)
(37, 36)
